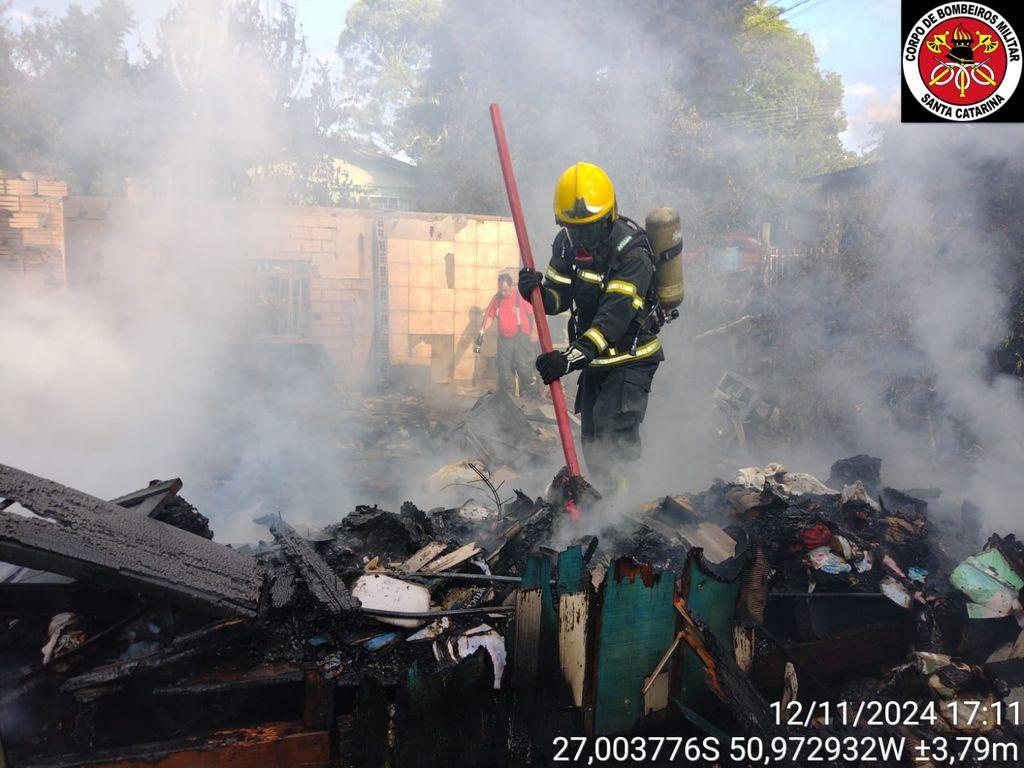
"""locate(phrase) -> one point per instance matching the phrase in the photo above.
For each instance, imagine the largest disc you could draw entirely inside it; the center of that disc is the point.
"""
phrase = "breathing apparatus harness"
(656, 317)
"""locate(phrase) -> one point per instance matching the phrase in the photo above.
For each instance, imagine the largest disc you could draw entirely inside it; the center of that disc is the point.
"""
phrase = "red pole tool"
(557, 395)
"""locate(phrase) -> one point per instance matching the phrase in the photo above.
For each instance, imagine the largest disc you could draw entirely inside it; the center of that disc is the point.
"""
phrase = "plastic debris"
(817, 535)
(381, 642)
(990, 584)
(896, 592)
(823, 559)
(469, 642)
(64, 634)
(433, 630)
(779, 479)
(386, 593)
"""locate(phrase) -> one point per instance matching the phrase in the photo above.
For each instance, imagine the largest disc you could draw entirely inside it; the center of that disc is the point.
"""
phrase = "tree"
(385, 49)
(682, 103)
(715, 106)
(71, 92)
(222, 92)
(786, 108)
(20, 130)
(242, 111)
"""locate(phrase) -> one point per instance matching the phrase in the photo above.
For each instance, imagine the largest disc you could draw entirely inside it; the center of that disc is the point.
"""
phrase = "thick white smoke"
(107, 390)
(138, 376)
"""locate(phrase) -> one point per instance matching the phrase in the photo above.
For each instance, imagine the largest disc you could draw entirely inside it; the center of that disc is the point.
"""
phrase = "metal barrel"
(665, 233)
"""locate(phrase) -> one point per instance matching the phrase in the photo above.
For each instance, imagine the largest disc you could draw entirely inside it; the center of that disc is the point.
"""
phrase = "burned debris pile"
(485, 630)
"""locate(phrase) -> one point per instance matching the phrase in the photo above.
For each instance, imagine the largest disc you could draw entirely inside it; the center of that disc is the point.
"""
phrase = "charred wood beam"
(864, 649)
(271, 744)
(220, 680)
(146, 501)
(323, 583)
(71, 660)
(318, 700)
(198, 696)
(85, 537)
(282, 588)
(47, 498)
(477, 610)
(151, 499)
(724, 677)
(739, 325)
(183, 648)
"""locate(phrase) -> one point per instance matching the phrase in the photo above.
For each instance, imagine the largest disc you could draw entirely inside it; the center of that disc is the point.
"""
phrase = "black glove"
(528, 280)
(478, 343)
(556, 364)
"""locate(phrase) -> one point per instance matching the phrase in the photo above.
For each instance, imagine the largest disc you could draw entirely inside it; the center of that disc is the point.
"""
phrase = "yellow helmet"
(583, 194)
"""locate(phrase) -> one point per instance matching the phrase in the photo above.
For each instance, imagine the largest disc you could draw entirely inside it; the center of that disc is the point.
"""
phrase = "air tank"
(665, 234)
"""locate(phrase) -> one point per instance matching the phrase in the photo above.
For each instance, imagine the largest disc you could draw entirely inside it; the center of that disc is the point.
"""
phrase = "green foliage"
(59, 69)
(385, 50)
(223, 91)
(792, 109)
(716, 107)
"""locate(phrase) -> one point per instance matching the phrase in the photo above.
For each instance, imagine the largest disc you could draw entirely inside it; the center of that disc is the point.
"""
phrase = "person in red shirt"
(517, 337)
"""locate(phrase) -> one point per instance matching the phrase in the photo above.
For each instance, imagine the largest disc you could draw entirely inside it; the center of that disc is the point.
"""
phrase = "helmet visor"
(587, 236)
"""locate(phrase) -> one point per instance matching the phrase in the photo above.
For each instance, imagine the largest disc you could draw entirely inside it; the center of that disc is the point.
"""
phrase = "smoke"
(947, 253)
(621, 90)
(880, 337)
(879, 343)
(139, 374)
(886, 344)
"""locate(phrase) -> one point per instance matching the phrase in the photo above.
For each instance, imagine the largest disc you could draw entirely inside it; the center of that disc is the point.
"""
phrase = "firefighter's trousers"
(612, 404)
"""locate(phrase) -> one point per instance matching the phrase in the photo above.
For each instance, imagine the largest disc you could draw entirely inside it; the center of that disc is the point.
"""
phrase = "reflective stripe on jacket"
(609, 293)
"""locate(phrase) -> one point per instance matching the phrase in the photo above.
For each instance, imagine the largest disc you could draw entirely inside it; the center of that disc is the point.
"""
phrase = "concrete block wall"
(442, 273)
(337, 244)
(32, 232)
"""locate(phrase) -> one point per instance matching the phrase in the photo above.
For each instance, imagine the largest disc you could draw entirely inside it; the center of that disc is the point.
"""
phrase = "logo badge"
(961, 62)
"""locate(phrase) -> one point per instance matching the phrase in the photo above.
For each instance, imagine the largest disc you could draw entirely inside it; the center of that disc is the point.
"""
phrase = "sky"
(859, 39)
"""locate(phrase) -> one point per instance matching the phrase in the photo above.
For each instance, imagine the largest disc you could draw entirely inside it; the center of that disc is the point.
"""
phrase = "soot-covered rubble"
(475, 635)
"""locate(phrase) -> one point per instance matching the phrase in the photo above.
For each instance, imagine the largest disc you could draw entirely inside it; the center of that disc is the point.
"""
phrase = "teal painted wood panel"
(638, 623)
(537, 575)
(715, 603)
(570, 570)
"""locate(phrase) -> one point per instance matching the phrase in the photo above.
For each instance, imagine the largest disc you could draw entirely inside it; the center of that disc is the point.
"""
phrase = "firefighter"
(517, 339)
(601, 272)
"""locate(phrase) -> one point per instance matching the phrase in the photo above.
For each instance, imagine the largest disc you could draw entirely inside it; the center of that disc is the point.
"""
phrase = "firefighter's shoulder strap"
(627, 235)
